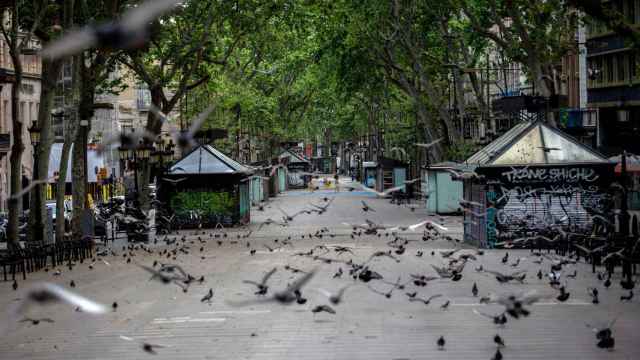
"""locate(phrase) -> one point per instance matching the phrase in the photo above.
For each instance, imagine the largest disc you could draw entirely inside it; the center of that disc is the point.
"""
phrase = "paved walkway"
(366, 325)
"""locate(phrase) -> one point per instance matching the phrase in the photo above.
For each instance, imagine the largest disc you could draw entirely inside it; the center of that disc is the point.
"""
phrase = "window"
(620, 65)
(66, 69)
(631, 11)
(608, 69)
(594, 71)
(5, 114)
(22, 112)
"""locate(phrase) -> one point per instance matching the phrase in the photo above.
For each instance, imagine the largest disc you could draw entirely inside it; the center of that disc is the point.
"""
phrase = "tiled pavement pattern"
(366, 326)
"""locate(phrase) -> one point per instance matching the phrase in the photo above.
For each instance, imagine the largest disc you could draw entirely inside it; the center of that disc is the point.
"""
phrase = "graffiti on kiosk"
(563, 175)
(491, 227)
(536, 208)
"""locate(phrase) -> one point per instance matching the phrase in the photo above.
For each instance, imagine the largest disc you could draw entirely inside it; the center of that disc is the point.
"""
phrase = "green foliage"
(203, 202)
(461, 151)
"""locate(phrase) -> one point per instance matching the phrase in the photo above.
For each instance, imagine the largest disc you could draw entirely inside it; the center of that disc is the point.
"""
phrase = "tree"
(50, 26)
(183, 50)
(17, 40)
(90, 68)
(535, 34)
(403, 40)
(605, 12)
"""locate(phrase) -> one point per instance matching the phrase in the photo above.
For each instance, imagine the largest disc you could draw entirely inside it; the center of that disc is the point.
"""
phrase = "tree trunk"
(79, 153)
(79, 181)
(154, 125)
(15, 205)
(50, 72)
(542, 82)
(61, 187)
(436, 152)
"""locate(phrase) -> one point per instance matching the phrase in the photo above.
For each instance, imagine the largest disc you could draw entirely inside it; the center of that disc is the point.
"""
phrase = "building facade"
(614, 83)
(29, 103)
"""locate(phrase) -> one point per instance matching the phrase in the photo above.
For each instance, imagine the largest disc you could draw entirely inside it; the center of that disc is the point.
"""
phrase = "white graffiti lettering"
(564, 175)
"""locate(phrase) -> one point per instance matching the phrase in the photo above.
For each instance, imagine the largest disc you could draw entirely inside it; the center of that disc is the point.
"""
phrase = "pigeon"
(627, 297)
(150, 348)
(607, 282)
(505, 258)
(425, 301)
(593, 292)
(130, 32)
(42, 294)
(627, 284)
(299, 299)
(498, 340)
(15, 285)
(499, 319)
(514, 303)
(441, 342)
(72, 284)
(321, 308)
(366, 207)
(37, 321)
(290, 294)
(114, 306)
(262, 286)
(604, 335)
(48, 293)
(474, 290)
(412, 295)
(445, 306)
(497, 355)
(336, 298)
(563, 295)
(207, 297)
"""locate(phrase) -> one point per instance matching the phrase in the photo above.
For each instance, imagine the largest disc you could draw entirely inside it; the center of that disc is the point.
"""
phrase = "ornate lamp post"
(34, 135)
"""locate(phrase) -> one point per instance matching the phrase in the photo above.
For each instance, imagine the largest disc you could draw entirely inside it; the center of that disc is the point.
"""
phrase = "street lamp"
(167, 151)
(34, 134)
(154, 156)
(123, 153)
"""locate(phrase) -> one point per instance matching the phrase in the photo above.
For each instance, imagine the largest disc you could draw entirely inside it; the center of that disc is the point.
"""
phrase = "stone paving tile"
(366, 326)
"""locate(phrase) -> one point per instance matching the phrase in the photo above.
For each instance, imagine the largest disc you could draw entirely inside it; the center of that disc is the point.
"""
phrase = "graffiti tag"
(566, 175)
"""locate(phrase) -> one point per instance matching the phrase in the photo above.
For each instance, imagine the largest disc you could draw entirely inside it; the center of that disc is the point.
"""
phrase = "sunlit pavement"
(366, 326)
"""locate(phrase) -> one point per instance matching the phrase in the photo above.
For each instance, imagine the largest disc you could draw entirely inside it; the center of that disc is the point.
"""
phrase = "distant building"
(614, 84)
(115, 112)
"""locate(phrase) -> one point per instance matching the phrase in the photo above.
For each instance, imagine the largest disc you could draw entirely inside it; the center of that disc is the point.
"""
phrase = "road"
(366, 326)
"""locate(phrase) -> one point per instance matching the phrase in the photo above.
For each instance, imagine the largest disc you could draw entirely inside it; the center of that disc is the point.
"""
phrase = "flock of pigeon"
(170, 247)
